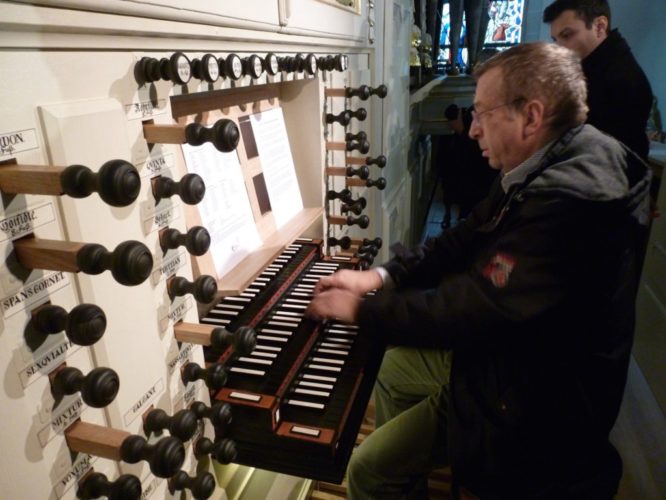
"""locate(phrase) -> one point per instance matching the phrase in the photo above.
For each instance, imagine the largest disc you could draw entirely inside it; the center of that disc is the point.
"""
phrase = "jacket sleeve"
(527, 270)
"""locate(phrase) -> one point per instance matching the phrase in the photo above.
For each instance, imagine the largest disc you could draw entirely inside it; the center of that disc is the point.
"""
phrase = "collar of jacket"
(606, 52)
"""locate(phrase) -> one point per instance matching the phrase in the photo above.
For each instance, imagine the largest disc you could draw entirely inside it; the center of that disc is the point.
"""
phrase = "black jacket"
(618, 93)
(534, 293)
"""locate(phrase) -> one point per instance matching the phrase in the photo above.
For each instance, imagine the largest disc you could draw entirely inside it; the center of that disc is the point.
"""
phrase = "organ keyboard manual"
(299, 397)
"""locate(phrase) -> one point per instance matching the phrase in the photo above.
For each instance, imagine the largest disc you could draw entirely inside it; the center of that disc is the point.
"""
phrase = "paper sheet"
(225, 210)
(277, 164)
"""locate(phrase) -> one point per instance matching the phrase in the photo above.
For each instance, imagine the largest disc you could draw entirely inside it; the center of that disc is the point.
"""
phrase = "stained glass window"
(504, 28)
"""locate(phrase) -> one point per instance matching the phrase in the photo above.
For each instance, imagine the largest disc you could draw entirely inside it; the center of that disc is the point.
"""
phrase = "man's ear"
(600, 26)
(534, 117)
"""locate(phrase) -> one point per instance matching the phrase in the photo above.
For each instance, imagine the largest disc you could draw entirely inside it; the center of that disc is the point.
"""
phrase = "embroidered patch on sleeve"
(498, 270)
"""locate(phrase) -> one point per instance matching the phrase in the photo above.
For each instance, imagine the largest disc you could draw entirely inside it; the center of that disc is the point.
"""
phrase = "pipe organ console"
(130, 142)
(303, 389)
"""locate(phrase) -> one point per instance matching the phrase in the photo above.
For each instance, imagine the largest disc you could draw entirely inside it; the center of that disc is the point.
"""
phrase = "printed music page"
(277, 164)
(225, 209)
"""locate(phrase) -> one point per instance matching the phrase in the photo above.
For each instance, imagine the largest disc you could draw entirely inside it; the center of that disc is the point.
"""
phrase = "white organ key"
(252, 290)
(237, 299)
(333, 351)
(224, 313)
(342, 332)
(245, 359)
(298, 301)
(306, 404)
(269, 273)
(290, 313)
(300, 294)
(335, 346)
(276, 332)
(343, 341)
(315, 384)
(307, 287)
(310, 280)
(320, 378)
(310, 366)
(310, 392)
(247, 371)
(273, 267)
(218, 321)
(248, 294)
(295, 306)
(267, 348)
(323, 263)
(328, 360)
(271, 355)
(261, 280)
(279, 323)
(320, 271)
(272, 339)
(282, 260)
(229, 306)
(294, 321)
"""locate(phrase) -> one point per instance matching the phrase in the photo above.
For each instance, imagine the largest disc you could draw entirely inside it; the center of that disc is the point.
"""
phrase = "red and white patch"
(498, 270)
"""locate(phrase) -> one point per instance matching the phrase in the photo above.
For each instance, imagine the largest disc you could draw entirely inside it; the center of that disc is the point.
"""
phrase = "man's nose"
(474, 129)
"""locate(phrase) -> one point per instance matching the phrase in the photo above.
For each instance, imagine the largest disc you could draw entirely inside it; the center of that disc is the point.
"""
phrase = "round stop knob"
(243, 340)
(271, 64)
(117, 182)
(95, 485)
(196, 240)
(215, 376)
(165, 457)
(231, 67)
(190, 188)
(130, 263)
(223, 450)
(206, 68)
(98, 388)
(344, 242)
(177, 68)
(204, 288)
(224, 135)
(183, 424)
(219, 414)
(380, 161)
(202, 486)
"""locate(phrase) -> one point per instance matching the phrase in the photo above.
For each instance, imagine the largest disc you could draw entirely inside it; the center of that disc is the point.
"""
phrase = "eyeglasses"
(476, 115)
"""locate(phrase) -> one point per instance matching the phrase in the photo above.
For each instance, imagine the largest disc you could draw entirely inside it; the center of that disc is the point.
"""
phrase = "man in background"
(619, 94)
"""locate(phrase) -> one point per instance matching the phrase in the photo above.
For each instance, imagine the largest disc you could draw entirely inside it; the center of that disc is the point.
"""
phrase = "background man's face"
(568, 30)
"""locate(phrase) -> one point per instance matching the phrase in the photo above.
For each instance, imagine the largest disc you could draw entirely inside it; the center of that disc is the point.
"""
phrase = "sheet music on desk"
(270, 134)
(225, 209)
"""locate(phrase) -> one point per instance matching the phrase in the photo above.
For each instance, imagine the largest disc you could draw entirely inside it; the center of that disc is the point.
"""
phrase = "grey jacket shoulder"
(588, 164)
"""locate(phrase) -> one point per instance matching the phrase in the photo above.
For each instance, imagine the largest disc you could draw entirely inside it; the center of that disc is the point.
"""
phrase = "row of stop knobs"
(100, 386)
(179, 69)
(166, 456)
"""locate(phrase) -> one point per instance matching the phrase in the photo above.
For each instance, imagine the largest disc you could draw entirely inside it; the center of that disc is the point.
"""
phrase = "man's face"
(568, 30)
(497, 127)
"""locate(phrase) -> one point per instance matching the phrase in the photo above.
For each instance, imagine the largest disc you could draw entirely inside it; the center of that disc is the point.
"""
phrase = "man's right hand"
(357, 282)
